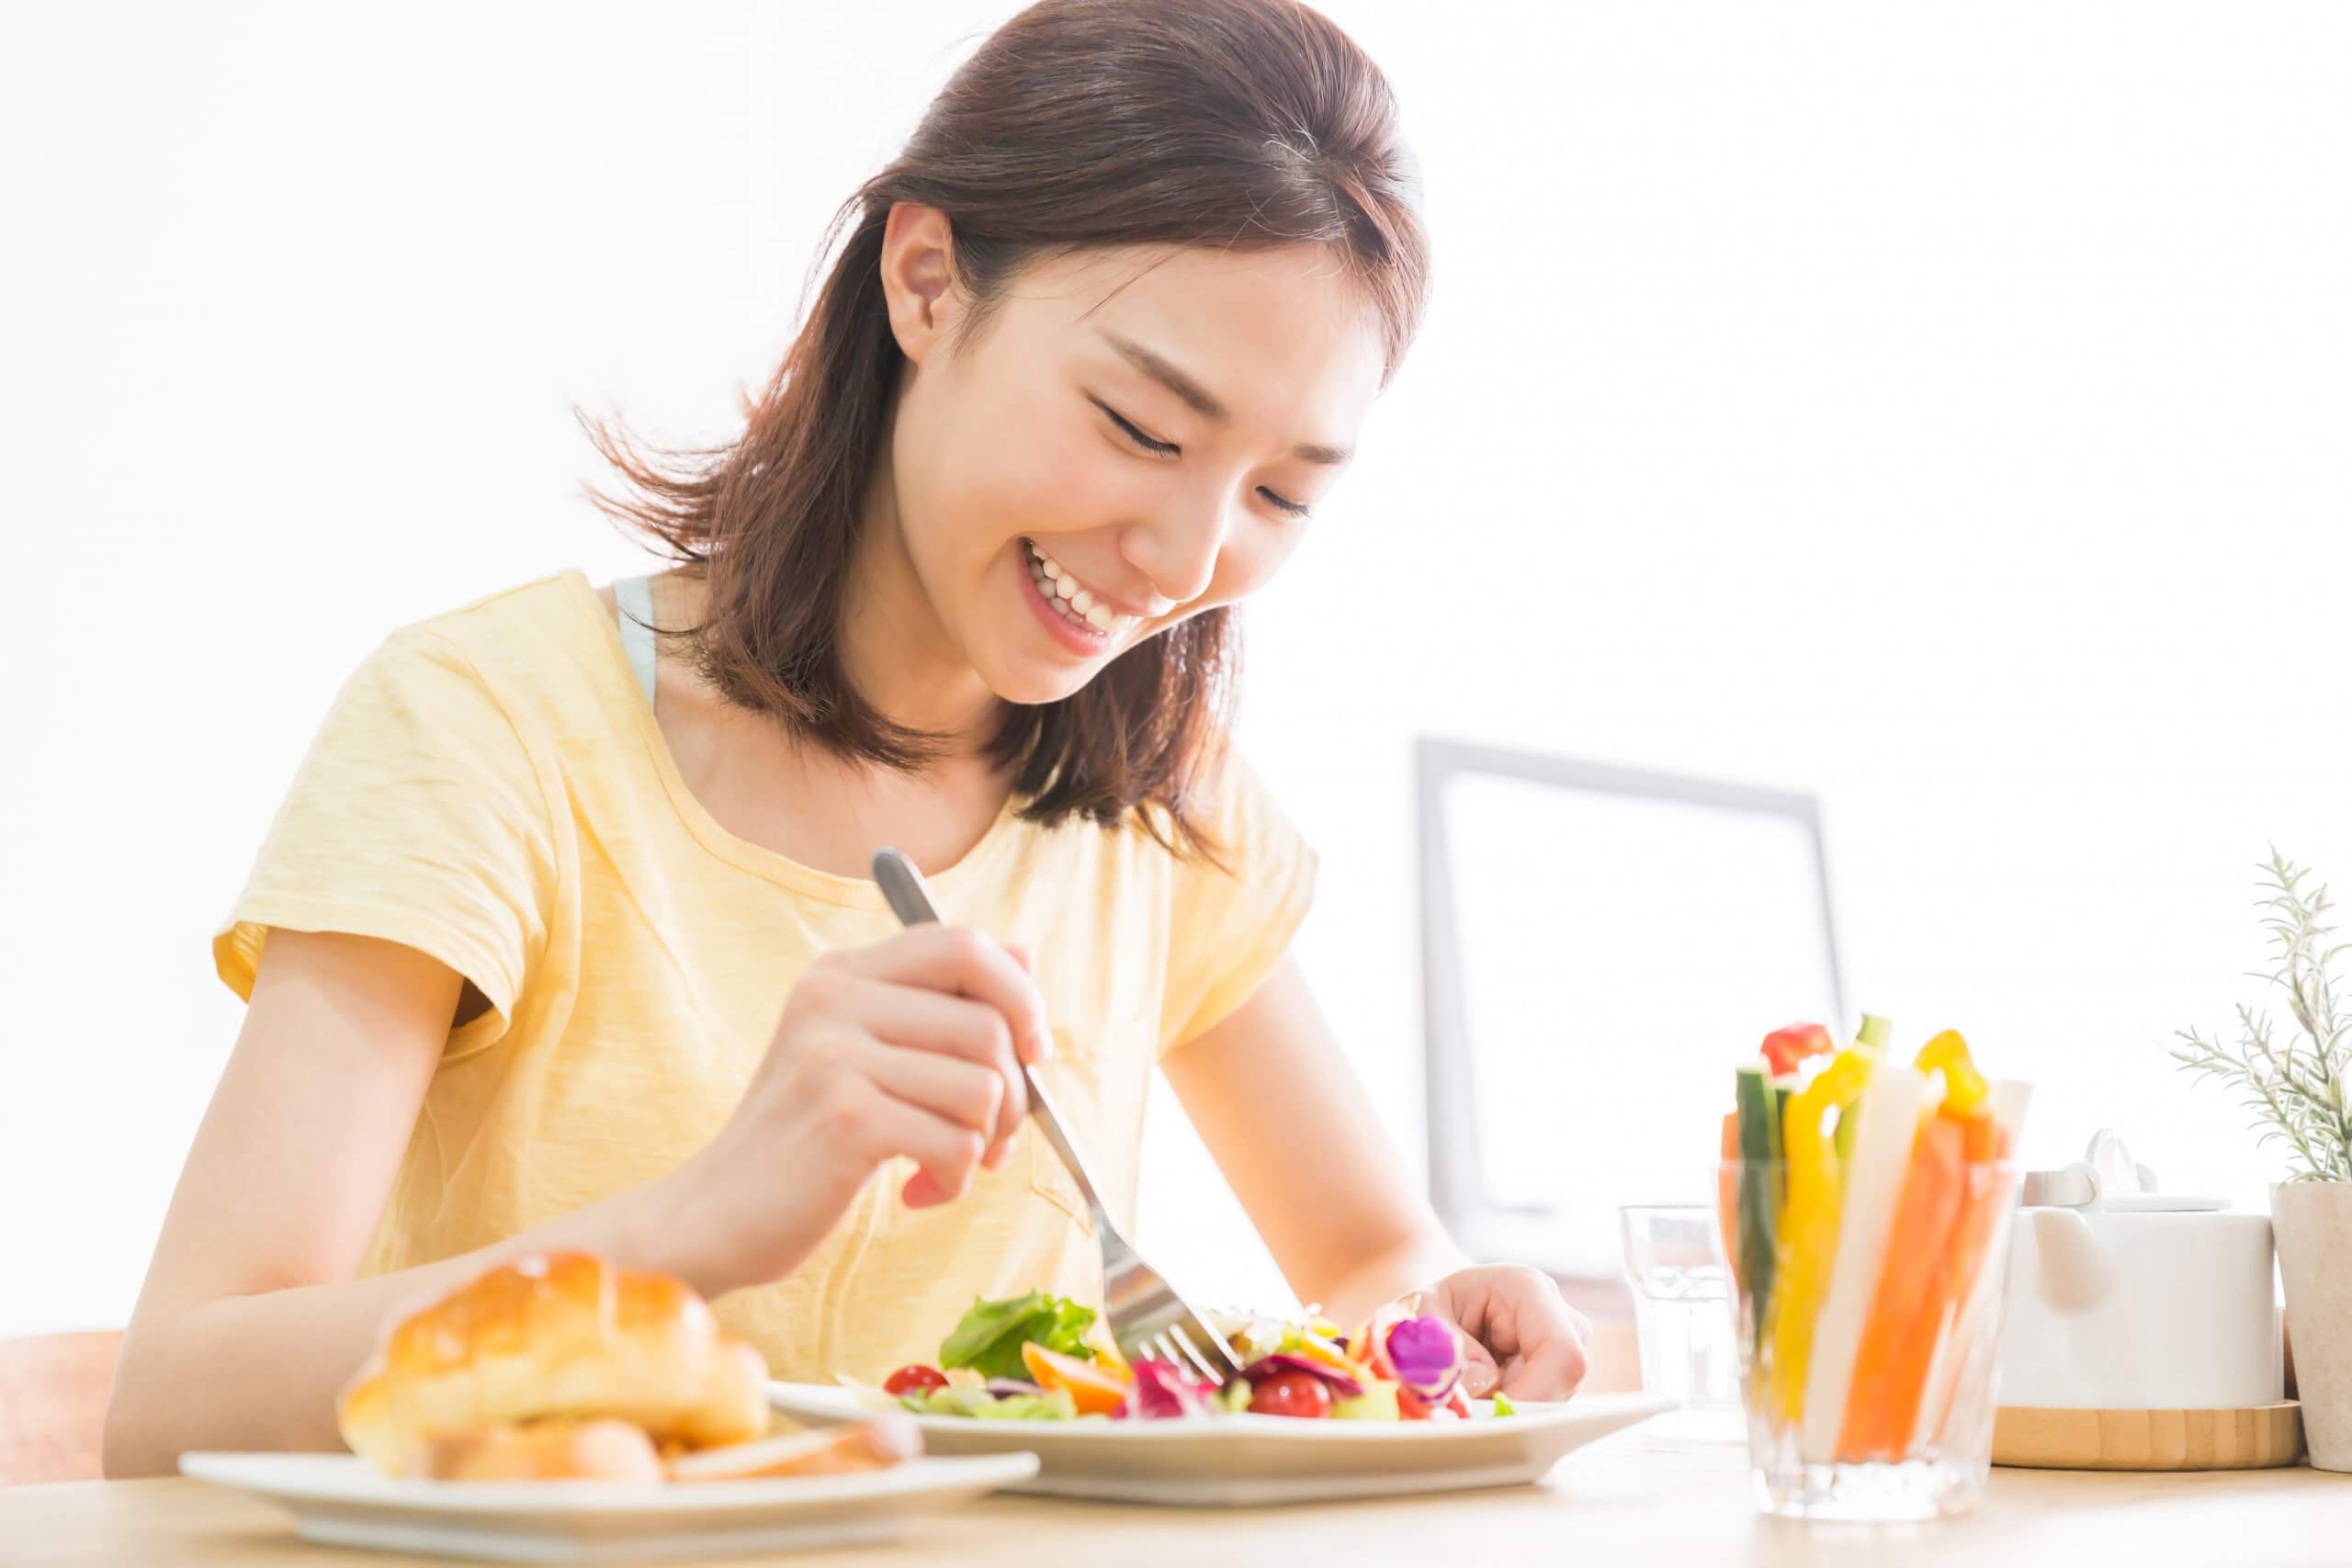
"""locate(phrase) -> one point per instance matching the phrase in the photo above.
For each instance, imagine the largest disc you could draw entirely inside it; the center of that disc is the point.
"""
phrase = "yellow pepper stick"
(1809, 1225)
(1966, 1091)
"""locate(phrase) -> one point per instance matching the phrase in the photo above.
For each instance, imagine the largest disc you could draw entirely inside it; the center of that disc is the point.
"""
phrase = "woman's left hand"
(1522, 1333)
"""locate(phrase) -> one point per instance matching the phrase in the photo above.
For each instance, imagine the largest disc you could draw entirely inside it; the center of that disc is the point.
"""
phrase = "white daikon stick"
(1873, 1180)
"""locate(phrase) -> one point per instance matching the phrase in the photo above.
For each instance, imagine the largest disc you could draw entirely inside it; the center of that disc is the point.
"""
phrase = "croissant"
(566, 1341)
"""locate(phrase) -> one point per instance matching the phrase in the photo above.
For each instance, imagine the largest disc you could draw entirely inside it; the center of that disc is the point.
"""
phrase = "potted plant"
(2294, 1084)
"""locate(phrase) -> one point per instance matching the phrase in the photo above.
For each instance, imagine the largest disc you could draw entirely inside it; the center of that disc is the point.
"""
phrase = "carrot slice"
(1952, 1282)
(1932, 1191)
(1727, 1196)
(1092, 1390)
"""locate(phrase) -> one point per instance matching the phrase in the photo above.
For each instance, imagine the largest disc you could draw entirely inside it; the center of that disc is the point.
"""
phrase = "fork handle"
(1049, 1122)
(910, 901)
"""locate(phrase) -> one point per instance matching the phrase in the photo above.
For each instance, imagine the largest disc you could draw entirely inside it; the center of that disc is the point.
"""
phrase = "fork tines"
(1172, 1344)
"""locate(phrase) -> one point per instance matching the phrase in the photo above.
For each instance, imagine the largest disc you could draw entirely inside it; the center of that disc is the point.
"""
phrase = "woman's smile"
(1076, 616)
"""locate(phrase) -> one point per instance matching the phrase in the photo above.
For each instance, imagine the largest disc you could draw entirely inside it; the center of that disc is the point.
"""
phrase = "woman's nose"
(1178, 554)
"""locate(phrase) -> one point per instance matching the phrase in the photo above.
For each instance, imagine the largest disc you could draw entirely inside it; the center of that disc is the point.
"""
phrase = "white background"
(1940, 409)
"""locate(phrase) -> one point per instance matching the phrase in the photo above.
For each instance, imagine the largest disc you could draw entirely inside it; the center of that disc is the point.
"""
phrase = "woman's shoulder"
(560, 608)
(539, 647)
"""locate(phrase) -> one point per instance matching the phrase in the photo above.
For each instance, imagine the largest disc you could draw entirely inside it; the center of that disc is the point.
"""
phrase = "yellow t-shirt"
(491, 788)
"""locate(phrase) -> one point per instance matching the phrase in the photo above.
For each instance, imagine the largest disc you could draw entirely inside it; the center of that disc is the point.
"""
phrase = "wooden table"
(1628, 1499)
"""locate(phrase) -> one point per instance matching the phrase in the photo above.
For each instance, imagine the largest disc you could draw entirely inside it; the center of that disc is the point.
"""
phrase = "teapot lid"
(2106, 1177)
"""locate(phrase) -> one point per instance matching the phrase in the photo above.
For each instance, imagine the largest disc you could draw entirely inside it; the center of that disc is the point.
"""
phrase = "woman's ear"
(918, 278)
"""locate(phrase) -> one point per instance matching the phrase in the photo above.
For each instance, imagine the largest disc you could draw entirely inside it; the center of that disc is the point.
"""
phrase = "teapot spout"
(2074, 1270)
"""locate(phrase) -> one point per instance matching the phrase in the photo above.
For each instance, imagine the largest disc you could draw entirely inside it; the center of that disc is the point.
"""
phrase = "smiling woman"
(563, 937)
(1138, 356)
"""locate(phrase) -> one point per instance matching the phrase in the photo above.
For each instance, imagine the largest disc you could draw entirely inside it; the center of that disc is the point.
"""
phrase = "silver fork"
(1149, 1321)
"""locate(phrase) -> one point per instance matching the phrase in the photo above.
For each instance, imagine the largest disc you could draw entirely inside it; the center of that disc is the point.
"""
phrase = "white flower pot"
(2313, 1223)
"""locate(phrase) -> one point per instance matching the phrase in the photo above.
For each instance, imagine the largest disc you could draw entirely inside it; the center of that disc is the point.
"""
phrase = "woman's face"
(1126, 439)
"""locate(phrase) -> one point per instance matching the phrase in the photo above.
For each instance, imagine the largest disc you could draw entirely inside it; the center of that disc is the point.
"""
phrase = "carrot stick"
(1992, 1196)
(1953, 1279)
(1932, 1194)
(1727, 1198)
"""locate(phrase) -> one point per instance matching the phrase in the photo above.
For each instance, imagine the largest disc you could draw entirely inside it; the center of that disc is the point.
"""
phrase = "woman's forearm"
(262, 1372)
(1420, 1261)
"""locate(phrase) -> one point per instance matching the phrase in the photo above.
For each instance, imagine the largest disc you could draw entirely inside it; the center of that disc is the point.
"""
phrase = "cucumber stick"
(1760, 1153)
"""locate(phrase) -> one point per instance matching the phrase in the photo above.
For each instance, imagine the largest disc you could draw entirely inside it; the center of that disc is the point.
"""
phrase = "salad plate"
(1309, 1412)
(1241, 1460)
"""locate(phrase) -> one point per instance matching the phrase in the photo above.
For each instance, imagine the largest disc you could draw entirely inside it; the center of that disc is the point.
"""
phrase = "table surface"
(1628, 1499)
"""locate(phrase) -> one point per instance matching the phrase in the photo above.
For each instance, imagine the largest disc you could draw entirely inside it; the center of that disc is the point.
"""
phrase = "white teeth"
(1061, 590)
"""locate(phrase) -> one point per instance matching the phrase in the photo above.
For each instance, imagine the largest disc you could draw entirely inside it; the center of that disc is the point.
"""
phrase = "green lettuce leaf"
(989, 1337)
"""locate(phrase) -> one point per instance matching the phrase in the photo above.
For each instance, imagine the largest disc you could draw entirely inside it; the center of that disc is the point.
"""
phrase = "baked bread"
(545, 1450)
(872, 1445)
(563, 1337)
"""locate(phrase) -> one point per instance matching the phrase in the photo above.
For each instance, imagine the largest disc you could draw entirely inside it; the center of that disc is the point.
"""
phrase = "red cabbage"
(1426, 1353)
(1005, 1388)
(1342, 1385)
(1163, 1391)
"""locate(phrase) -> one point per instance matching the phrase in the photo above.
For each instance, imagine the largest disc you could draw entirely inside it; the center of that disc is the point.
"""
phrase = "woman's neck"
(895, 652)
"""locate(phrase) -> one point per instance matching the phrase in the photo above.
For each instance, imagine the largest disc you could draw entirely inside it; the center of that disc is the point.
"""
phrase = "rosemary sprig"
(2294, 1087)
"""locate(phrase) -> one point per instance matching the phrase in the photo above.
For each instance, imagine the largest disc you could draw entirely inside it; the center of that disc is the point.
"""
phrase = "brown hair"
(1242, 124)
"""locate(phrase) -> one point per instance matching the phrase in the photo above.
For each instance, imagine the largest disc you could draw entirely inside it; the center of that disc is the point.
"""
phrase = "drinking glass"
(1682, 1318)
(1867, 1361)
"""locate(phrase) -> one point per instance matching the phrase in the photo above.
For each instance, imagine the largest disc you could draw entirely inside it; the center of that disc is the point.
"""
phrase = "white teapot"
(2123, 1297)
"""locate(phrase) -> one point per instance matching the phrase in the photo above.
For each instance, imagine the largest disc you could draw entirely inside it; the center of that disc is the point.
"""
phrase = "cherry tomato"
(1292, 1394)
(1785, 1048)
(1411, 1407)
(909, 1379)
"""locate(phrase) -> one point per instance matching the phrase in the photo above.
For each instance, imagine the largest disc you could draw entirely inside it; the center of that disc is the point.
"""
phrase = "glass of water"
(1683, 1318)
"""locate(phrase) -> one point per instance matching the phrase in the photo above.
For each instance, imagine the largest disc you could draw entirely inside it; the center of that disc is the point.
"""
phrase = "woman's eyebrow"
(1198, 398)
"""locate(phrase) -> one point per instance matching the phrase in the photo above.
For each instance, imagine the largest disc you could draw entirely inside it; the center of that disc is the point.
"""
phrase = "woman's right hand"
(912, 1047)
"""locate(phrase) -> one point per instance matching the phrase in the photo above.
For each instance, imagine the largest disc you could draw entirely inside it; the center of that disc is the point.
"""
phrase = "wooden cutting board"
(2259, 1437)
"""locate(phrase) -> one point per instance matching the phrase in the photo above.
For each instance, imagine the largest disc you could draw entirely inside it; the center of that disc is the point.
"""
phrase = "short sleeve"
(417, 817)
(1228, 926)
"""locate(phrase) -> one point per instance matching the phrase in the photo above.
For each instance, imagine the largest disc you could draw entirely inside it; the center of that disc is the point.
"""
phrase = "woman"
(563, 936)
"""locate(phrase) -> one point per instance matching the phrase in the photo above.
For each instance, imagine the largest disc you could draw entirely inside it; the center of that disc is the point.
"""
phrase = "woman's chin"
(1034, 688)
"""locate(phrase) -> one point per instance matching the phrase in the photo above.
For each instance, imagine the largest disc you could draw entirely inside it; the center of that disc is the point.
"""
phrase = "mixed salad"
(1860, 1198)
(1044, 1357)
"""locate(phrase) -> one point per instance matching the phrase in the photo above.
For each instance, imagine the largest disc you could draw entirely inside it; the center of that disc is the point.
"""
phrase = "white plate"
(346, 1501)
(1229, 1460)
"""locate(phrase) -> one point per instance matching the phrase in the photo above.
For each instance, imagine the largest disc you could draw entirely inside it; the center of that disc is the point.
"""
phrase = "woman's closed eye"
(1152, 445)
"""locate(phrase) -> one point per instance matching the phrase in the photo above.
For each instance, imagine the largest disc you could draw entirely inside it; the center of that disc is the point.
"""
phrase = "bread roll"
(566, 1337)
(872, 1445)
(545, 1450)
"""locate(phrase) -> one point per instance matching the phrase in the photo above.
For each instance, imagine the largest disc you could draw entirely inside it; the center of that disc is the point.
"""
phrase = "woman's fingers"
(958, 961)
(1534, 1339)
(1551, 1370)
(955, 1028)
(967, 1093)
(1481, 1374)
(946, 1151)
